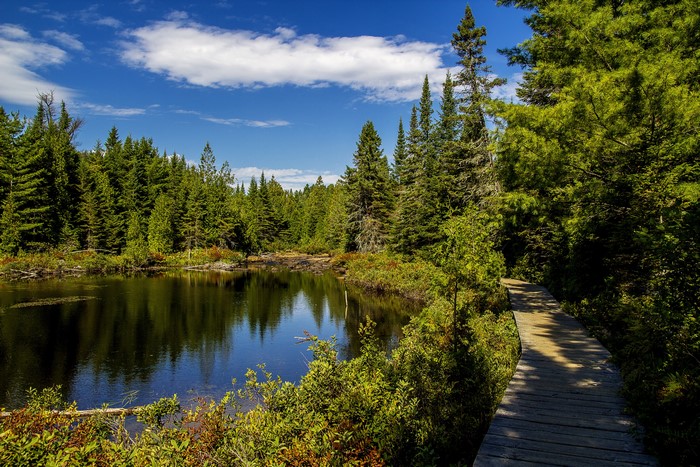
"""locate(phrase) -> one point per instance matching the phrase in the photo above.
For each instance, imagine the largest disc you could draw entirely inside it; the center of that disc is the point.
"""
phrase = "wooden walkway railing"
(562, 406)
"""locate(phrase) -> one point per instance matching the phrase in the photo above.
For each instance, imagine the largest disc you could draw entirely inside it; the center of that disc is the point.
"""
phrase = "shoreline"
(302, 262)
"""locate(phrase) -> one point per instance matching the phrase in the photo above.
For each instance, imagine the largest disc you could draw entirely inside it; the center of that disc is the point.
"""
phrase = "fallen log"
(90, 412)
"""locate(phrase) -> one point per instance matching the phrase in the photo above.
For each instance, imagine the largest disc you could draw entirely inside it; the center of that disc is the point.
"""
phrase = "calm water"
(108, 339)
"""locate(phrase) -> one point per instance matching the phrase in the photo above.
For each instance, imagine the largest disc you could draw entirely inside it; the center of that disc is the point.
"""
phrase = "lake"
(133, 339)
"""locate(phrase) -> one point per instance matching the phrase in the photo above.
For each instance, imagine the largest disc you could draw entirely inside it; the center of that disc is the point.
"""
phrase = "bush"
(382, 273)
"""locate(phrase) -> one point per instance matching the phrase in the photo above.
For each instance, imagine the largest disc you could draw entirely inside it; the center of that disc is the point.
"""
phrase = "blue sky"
(279, 85)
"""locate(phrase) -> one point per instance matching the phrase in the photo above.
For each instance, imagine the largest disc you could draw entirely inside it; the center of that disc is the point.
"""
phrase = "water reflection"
(178, 332)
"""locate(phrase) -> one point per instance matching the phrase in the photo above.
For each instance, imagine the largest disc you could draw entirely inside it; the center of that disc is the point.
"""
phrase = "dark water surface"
(109, 339)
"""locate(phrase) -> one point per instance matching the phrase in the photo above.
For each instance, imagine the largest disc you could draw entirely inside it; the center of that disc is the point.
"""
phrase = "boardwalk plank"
(525, 427)
(558, 405)
(519, 456)
(593, 454)
(562, 406)
(569, 419)
(531, 397)
(493, 461)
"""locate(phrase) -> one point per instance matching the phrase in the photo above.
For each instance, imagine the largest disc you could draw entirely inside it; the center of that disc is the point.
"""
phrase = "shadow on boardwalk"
(562, 406)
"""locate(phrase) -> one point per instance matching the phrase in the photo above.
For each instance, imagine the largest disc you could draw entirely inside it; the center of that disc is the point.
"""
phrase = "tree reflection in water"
(179, 332)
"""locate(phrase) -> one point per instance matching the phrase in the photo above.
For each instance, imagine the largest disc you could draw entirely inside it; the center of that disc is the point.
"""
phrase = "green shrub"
(383, 273)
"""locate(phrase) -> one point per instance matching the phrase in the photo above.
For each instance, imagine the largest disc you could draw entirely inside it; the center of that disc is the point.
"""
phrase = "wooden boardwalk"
(562, 406)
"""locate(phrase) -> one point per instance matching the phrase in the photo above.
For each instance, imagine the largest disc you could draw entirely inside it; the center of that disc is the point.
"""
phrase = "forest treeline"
(125, 197)
(588, 183)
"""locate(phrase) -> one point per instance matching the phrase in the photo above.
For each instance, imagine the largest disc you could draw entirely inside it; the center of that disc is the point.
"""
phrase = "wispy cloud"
(507, 92)
(250, 123)
(382, 68)
(44, 12)
(109, 110)
(20, 54)
(235, 121)
(108, 21)
(66, 40)
(290, 179)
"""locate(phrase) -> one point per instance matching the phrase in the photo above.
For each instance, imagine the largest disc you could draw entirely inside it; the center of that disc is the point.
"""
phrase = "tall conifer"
(476, 82)
(369, 200)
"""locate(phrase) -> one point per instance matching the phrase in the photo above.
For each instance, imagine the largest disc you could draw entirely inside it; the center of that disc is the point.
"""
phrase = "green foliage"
(467, 255)
(152, 414)
(369, 195)
(136, 246)
(422, 405)
(387, 274)
(458, 386)
(599, 165)
(21, 176)
(160, 226)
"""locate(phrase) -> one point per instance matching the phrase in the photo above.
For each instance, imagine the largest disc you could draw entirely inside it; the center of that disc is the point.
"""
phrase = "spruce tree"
(193, 219)
(63, 172)
(136, 246)
(451, 166)
(426, 185)
(336, 218)
(160, 226)
(314, 208)
(400, 154)
(90, 221)
(116, 170)
(405, 235)
(265, 213)
(21, 180)
(476, 82)
(369, 195)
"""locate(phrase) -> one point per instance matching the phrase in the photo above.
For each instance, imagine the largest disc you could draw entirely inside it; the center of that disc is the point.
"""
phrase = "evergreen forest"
(587, 183)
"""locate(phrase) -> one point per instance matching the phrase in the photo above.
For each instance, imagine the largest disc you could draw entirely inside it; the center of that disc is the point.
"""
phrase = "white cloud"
(383, 68)
(290, 179)
(19, 55)
(66, 40)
